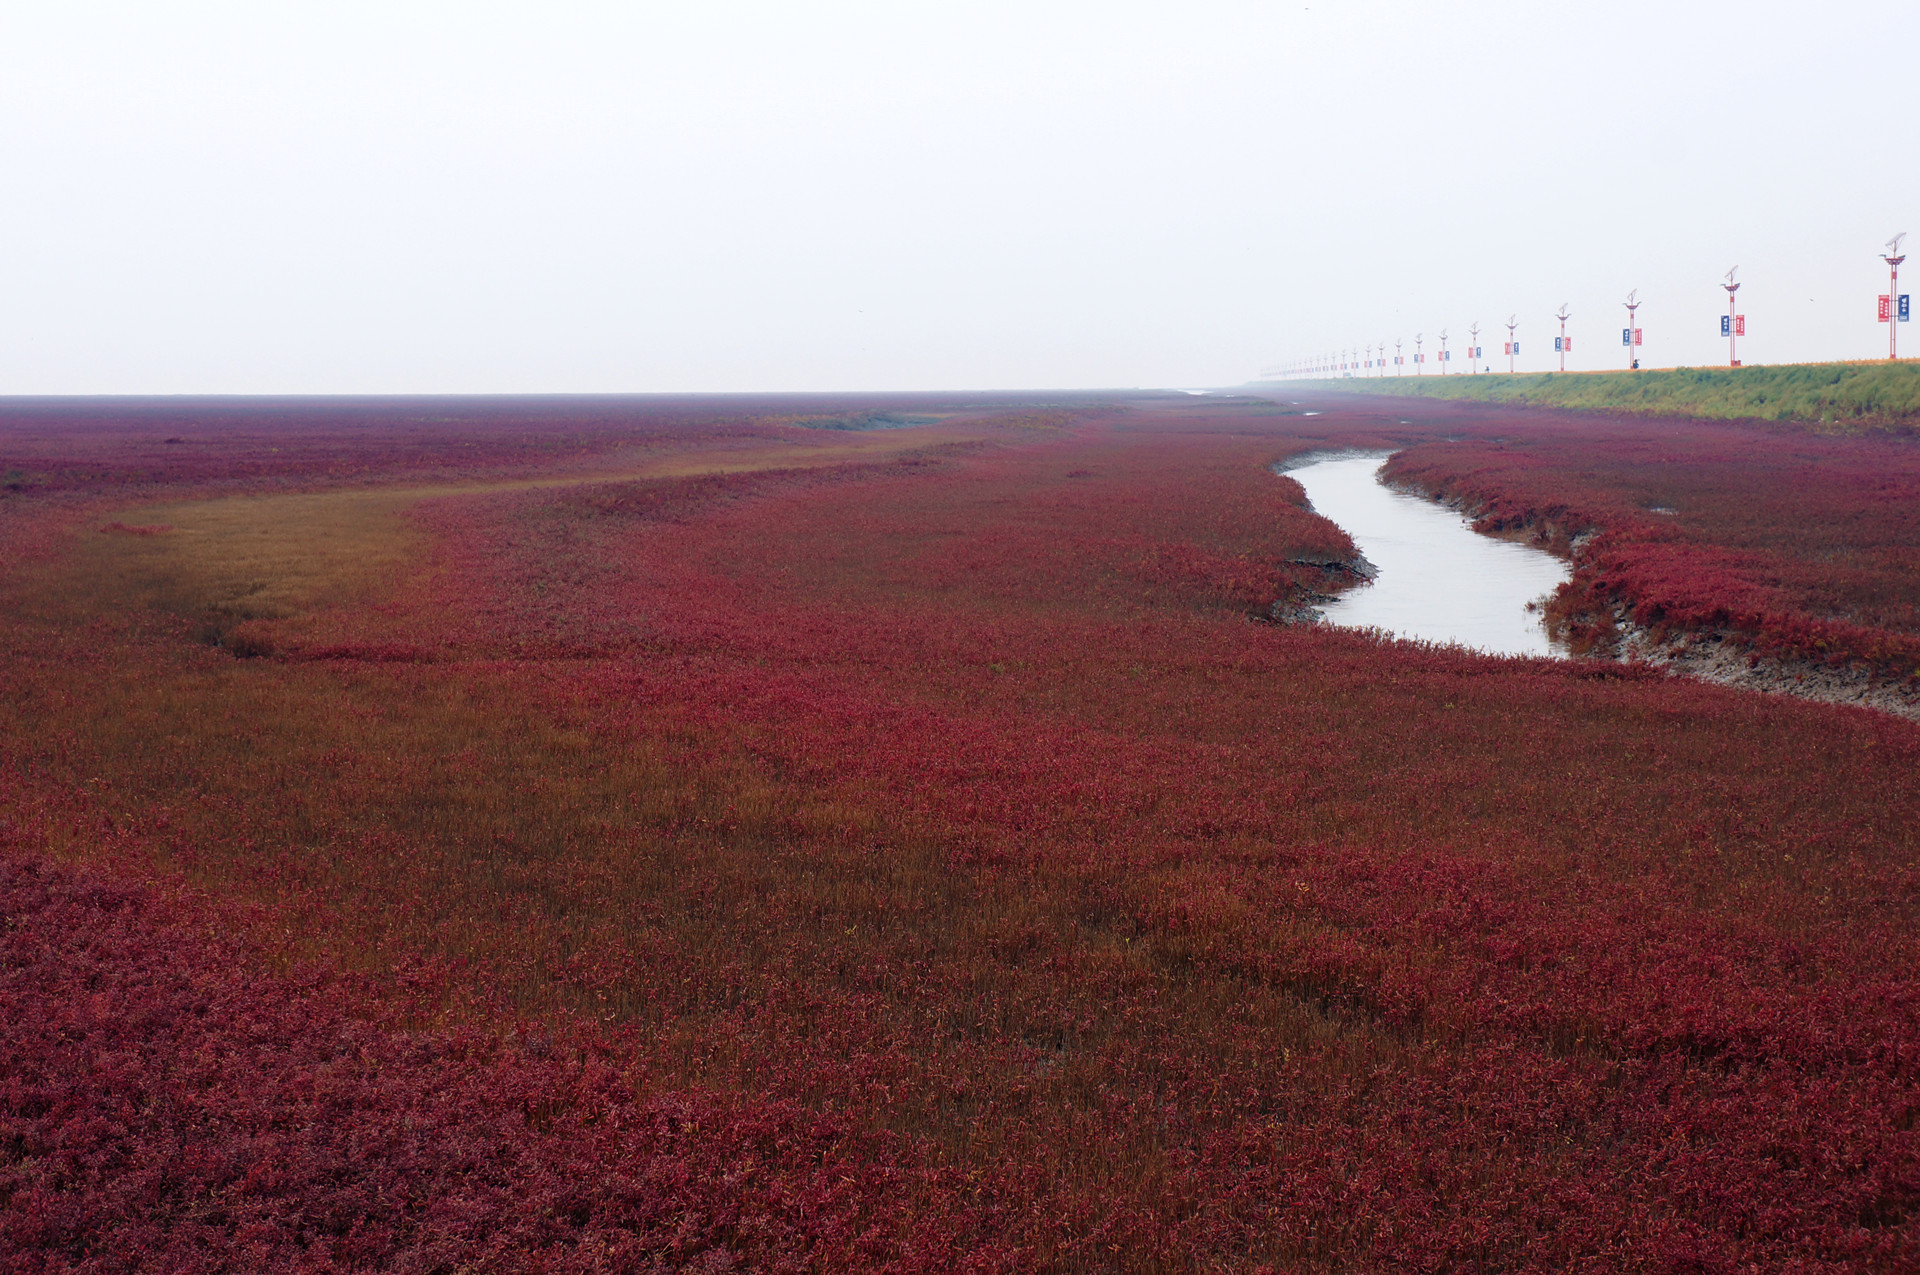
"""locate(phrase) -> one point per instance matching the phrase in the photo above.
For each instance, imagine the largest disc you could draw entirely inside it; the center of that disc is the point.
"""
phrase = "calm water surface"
(1439, 580)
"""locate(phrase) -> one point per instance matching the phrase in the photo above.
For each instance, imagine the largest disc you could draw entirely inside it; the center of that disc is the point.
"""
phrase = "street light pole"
(1473, 352)
(1733, 321)
(1513, 342)
(1561, 344)
(1632, 341)
(1893, 257)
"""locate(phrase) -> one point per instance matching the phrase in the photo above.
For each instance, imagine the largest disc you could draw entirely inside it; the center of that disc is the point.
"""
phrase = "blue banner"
(1626, 336)
(1906, 312)
(1726, 325)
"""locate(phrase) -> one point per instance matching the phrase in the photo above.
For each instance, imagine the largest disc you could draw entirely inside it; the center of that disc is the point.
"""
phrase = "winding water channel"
(1439, 580)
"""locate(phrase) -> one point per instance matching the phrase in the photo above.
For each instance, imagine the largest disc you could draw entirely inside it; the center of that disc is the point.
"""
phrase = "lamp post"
(1513, 342)
(1473, 351)
(1631, 337)
(1734, 325)
(1443, 351)
(1561, 343)
(1893, 309)
(1419, 359)
(1397, 343)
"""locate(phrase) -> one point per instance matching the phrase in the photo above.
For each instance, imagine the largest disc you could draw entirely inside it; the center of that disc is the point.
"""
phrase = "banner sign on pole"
(1636, 336)
(1886, 308)
(1726, 324)
(1626, 336)
(1906, 311)
(1569, 345)
(1516, 347)
(1739, 325)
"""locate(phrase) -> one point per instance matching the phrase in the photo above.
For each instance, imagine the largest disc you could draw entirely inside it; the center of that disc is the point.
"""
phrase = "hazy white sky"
(720, 195)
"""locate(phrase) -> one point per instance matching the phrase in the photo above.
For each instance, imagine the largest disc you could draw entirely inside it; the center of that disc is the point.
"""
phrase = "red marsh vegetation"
(599, 835)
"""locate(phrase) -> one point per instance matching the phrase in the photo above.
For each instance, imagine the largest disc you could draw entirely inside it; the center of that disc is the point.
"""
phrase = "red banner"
(1886, 308)
(1739, 325)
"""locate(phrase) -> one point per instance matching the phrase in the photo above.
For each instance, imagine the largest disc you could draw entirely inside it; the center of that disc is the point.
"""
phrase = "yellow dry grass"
(254, 557)
(235, 559)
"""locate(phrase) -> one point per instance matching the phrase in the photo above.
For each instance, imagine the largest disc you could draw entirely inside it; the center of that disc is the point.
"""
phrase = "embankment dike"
(1846, 395)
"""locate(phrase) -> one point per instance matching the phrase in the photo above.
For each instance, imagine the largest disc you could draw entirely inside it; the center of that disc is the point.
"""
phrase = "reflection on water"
(1439, 580)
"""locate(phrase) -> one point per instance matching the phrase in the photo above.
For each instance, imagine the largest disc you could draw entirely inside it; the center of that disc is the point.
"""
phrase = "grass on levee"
(1866, 395)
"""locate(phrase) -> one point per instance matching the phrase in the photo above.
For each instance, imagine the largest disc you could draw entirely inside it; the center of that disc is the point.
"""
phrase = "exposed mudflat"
(1722, 660)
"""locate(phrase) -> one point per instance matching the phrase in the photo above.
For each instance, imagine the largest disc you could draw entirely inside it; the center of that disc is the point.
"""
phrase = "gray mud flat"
(1717, 658)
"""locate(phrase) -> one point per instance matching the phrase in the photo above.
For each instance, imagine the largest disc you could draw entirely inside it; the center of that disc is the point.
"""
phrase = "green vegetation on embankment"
(1847, 395)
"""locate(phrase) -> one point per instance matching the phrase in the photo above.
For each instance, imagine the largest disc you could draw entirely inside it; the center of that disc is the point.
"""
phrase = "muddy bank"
(1302, 604)
(1721, 658)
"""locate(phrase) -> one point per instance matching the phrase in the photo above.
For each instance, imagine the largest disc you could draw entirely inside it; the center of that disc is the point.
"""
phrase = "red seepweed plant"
(919, 861)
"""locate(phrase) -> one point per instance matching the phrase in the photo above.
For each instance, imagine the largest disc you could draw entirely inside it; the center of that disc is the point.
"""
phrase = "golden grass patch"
(238, 559)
